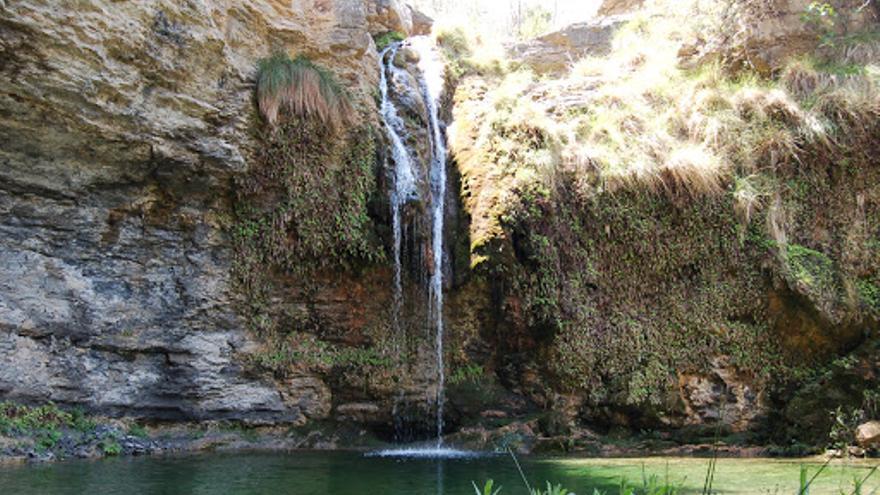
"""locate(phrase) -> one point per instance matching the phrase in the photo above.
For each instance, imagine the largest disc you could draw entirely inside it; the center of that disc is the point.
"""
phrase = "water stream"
(404, 184)
(404, 189)
(432, 88)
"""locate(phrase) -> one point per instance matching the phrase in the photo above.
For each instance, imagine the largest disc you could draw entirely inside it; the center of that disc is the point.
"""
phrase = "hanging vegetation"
(302, 88)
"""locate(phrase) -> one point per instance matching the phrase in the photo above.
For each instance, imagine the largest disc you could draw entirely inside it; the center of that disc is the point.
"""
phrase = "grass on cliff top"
(645, 118)
(302, 88)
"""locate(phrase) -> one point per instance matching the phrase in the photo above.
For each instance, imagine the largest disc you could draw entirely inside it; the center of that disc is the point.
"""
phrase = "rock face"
(723, 395)
(616, 7)
(763, 36)
(556, 51)
(122, 126)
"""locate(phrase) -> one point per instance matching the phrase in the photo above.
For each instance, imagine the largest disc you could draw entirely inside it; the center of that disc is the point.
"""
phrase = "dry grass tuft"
(638, 119)
(302, 88)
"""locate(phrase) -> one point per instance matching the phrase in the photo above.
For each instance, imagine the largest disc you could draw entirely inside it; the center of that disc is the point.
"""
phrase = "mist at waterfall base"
(404, 190)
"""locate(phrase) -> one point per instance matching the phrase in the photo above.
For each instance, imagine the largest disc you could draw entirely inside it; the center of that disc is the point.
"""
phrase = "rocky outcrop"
(557, 51)
(725, 395)
(389, 15)
(122, 126)
(617, 7)
(422, 24)
(765, 35)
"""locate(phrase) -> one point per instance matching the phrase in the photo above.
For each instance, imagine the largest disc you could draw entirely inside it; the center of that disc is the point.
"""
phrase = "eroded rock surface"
(557, 51)
(122, 126)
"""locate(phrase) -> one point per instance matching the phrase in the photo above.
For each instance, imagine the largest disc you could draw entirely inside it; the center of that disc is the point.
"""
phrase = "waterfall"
(432, 88)
(404, 189)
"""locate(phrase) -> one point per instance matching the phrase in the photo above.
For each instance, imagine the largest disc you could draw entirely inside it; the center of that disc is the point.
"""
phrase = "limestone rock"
(556, 51)
(358, 412)
(764, 36)
(389, 15)
(122, 126)
(616, 7)
(868, 434)
(724, 395)
(422, 24)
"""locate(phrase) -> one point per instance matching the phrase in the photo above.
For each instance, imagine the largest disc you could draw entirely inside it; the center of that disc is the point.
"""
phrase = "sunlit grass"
(641, 118)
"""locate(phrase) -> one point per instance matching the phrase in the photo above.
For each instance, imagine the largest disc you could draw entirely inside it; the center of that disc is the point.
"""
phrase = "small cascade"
(411, 171)
(432, 88)
(404, 187)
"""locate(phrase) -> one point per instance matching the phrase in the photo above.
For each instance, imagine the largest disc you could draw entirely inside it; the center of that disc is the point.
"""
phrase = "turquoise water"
(343, 473)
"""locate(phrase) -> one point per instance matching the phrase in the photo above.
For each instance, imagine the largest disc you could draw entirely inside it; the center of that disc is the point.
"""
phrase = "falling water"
(404, 190)
(432, 88)
(404, 180)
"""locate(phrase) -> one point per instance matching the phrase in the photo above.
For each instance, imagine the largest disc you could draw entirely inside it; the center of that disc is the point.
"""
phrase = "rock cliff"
(155, 249)
(123, 125)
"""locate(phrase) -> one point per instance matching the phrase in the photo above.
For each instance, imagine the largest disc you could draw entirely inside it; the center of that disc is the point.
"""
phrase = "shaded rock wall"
(122, 126)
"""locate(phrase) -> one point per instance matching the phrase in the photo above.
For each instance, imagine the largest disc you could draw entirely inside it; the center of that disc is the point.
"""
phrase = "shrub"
(302, 88)
(111, 447)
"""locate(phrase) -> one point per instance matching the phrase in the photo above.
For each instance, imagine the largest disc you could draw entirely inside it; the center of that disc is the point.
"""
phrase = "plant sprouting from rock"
(301, 88)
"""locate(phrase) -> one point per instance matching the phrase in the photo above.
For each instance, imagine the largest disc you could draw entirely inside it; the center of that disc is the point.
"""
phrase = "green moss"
(385, 39)
(810, 267)
(300, 350)
(869, 293)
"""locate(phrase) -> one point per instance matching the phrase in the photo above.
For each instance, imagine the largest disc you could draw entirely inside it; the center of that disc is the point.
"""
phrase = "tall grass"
(301, 88)
(654, 485)
(640, 118)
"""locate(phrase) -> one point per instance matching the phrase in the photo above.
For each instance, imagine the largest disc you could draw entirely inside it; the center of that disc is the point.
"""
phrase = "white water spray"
(404, 179)
(432, 87)
(404, 190)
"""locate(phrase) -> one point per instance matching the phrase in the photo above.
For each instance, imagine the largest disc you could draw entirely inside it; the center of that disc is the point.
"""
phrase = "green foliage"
(869, 293)
(301, 88)
(111, 447)
(552, 490)
(137, 430)
(487, 488)
(810, 267)
(302, 350)
(843, 427)
(304, 203)
(385, 39)
(470, 372)
(81, 422)
(47, 439)
(823, 17)
(20, 419)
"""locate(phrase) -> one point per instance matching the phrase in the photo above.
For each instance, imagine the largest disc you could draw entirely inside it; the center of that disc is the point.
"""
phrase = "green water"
(340, 473)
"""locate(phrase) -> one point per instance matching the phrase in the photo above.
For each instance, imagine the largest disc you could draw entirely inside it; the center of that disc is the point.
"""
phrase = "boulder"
(555, 52)
(868, 434)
